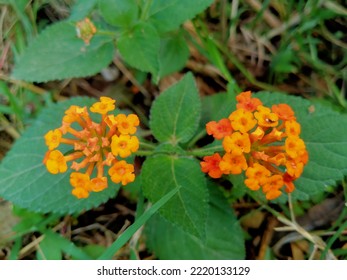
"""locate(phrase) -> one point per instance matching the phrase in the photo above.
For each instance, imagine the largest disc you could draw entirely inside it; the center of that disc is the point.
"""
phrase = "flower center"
(123, 144)
(125, 125)
(121, 171)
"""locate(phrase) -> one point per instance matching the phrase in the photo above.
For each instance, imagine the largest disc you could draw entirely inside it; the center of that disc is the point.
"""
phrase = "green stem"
(144, 153)
(200, 152)
(106, 33)
(196, 138)
(147, 145)
(145, 10)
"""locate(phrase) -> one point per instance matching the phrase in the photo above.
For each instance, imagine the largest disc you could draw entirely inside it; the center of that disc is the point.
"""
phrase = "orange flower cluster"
(85, 30)
(94, 146)
(263, 142)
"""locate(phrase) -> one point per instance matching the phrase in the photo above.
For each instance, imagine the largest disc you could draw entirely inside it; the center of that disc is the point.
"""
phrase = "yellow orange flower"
(246, 102)
(219, 129)
(105, 105)
(98, 184)
(256, 176)
(81, 184)
(122, 172)
(263, 142)
(124, 145)
(80, 180)
(272, 186)
(292, 128)
(273, 136)
(210, 165)
(110, 120)
(278, 159)
(258, 172)
(95, 146)
(265, 117)
(127, 124)
(55, 162)
(53, 138)
(257, 134)
(237, 143)
(80, 193)
(295, 167)
(233, 164)
(242, 120)
(295, 147)
(252, 184)
(74, 113)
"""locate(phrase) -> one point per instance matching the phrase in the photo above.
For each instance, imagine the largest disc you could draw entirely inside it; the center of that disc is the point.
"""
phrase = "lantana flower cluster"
(85, 30)
(94, 146)
(263, 142)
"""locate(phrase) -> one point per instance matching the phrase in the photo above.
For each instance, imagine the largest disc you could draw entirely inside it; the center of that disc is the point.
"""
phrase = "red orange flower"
(246, 102)
(263, 142)
(219, 129)
(284, 112)
(210, 165)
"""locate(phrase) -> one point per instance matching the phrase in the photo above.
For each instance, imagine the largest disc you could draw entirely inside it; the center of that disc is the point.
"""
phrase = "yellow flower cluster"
(263, 142)
(95, 146)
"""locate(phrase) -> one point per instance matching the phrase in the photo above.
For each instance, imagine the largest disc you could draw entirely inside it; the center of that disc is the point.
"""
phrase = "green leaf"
(56, 243)
(224, 236)
(175, 114)
(168, 148)
(188, 208)
(173, 55)
(49, 248)
(24, 179)
(94, 250)
(140, 47)
(217, 106)
(325, 136)
(238, 190)
(168, 15)
(82, 9)
(140, 221)
(119, 12)
(57, 53)
(283, 62)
